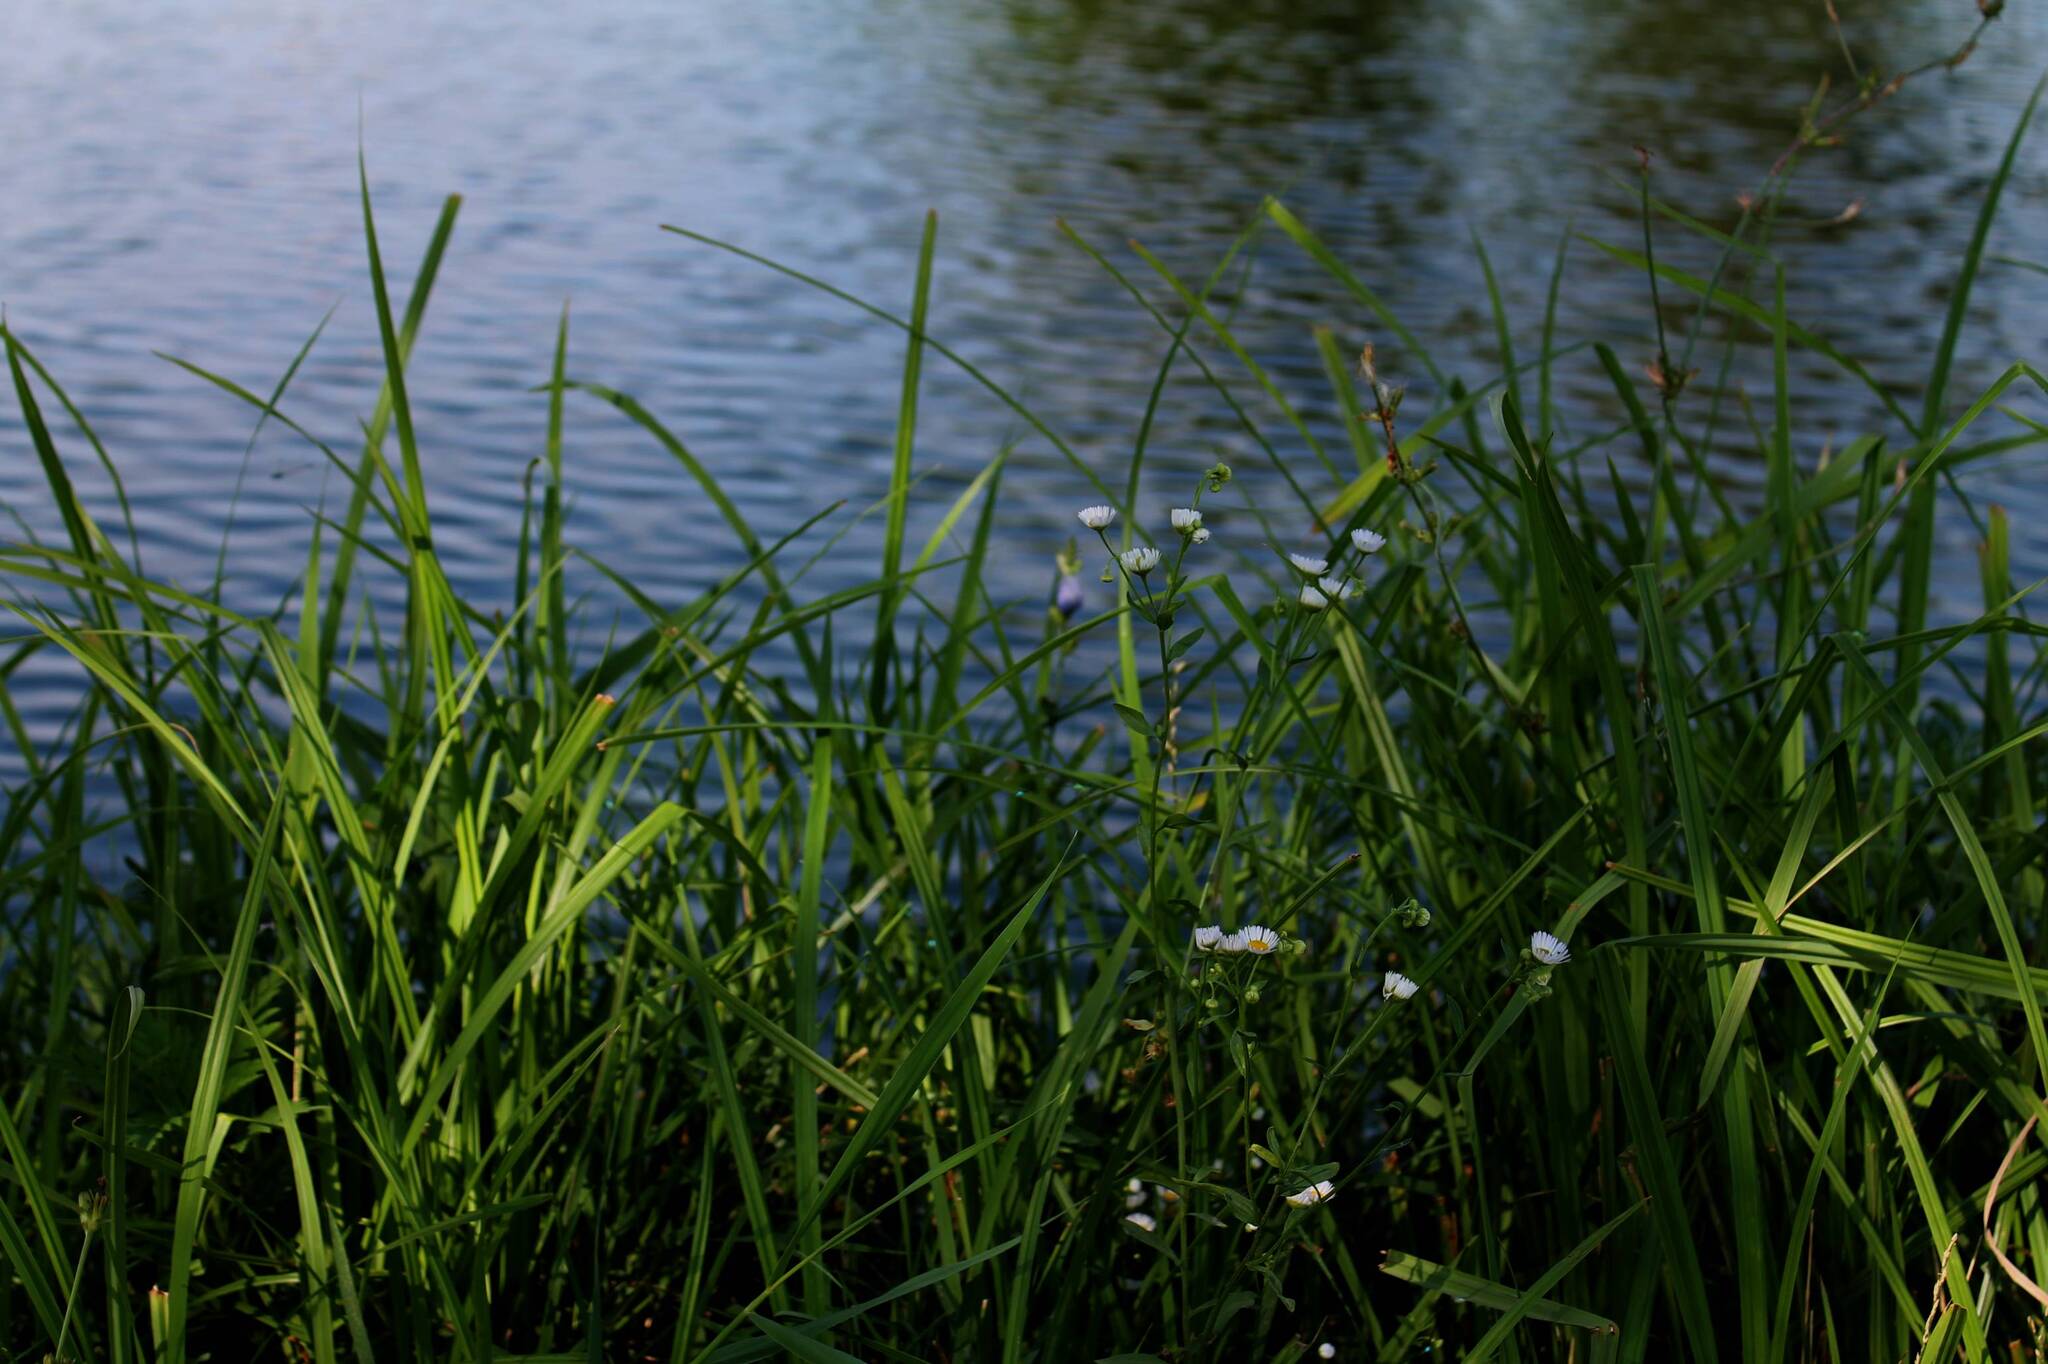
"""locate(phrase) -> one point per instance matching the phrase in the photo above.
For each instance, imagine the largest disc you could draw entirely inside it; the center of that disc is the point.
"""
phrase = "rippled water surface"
(180, 177)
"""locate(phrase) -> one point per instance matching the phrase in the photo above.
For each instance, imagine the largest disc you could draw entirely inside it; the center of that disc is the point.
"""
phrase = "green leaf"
(1432, 1277)
(1240, 1205)
(802, 1347)
(1529, 1303)
(1134, 719)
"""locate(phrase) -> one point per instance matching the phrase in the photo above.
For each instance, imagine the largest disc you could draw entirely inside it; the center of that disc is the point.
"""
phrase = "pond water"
(181, 177)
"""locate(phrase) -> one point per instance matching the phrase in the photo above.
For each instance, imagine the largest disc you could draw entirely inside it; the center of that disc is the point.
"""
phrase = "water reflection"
(183, 181)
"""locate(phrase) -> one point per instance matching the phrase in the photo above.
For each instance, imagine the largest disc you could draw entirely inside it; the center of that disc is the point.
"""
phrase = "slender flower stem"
(70, 1303)
(1160, 619)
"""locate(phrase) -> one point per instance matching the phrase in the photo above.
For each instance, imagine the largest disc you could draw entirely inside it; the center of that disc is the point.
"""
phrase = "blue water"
(181, 177)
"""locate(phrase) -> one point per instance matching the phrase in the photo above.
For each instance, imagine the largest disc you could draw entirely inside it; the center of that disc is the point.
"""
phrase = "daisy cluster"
(1254, 939)
(1140, 561)
(1325, 589)
(1186, 523)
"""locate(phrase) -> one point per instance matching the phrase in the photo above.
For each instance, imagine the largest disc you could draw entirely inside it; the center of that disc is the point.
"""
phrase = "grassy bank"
(820, 976)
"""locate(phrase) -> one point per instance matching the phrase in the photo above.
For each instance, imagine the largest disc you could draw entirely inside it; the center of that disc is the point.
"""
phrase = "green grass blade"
(210, 1090)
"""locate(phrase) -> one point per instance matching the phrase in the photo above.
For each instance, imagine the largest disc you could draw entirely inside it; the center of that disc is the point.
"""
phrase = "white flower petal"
(1548, 948)
(1140, 561)
(1368, 542)
(1309, 564)
(1319, 1192)
(1095, 518)
(1312, 600)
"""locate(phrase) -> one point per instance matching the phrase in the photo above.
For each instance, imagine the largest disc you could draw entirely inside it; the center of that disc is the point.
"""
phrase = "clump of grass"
(1538, 919)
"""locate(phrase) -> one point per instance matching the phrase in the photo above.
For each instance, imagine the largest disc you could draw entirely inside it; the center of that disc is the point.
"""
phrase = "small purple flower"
(1067, 596)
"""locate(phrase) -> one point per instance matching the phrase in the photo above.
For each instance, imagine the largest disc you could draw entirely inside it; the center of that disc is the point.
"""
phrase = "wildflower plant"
(1208, 1020)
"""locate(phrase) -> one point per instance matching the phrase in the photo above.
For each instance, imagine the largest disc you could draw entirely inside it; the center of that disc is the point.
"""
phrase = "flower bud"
(1067, 596)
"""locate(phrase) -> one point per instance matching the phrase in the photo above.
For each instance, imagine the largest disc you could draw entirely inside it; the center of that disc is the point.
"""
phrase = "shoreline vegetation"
(1521, 914)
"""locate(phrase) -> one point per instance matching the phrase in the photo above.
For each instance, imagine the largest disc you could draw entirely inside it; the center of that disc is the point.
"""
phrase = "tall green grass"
(814, 976)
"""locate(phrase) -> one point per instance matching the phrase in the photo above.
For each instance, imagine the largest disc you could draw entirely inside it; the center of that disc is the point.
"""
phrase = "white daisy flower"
(1326, 1350)
(1134, 1193)
(1208, 938)
(1368, 542)
(1309, 565)
(1394, 985)
(1337, 589)
(1319, 1192)
(1143, 1221)
(1260, 941)
(1232, 942)
(1312, 600)
(1095, 518)
(1186, 520)
(1548, 948)
(1140, 561)
(1200, 536)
